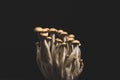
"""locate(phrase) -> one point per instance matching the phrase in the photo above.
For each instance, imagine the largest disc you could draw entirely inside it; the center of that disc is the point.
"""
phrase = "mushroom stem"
(64, 36)
(45, 49)
(62, 57)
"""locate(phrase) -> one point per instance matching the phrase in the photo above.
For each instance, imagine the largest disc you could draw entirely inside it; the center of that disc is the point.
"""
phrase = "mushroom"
(58, 54)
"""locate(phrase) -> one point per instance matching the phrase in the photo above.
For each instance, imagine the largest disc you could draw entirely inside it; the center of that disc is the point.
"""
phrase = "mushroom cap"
(71, 36)
(44, 34)
(45, 30)
(38, 29)
(58, 40)
(70, 39)
(52, 30)
(60, 31)
(63, 44)
(76, 42)
(64, 33)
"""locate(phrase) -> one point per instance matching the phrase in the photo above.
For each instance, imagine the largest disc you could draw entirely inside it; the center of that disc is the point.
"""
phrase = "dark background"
(17, 38)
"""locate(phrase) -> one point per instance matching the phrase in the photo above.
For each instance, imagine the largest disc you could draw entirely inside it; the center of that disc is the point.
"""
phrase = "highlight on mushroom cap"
(38, 29)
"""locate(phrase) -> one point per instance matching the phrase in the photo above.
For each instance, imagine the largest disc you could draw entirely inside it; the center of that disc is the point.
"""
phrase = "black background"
(17, 38)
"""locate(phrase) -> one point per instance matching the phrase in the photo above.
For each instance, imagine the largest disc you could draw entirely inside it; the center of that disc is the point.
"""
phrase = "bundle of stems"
(58, 54)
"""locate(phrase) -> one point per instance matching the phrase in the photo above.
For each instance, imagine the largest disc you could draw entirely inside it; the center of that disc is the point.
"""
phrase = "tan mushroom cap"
(38, 29)
(70, 39)
(76, 42)
(58, 40)
(63, 44)
(60, 31)
(71, 36)
(45, 30)
(64, 33)
(44, 34)
(52, 30)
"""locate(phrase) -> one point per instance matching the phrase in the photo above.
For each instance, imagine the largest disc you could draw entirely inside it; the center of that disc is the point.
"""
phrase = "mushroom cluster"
(58, 54)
